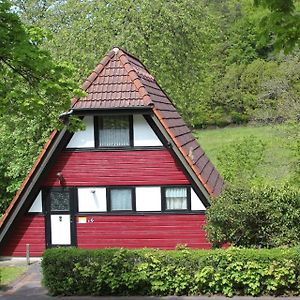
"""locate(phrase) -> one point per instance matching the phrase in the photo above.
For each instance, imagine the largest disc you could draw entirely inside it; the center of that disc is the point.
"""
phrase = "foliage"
(208, 38)
(283, 21)
(34, 90)
(257, 217)
(15, 161)
(209, 74)
(107, 272)
(262, 90)
(148, 29)
(31, 82)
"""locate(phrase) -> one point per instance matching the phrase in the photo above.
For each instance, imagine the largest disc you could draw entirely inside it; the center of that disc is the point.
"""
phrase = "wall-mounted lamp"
(60, 178)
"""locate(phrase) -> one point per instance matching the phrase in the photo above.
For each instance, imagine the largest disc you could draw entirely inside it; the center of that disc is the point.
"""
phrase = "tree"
(283, 21)
(34, 90)
(174, 39)
(263, 91)
(30, 81)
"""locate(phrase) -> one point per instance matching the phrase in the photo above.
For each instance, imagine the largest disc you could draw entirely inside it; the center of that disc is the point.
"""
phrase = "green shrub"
(70, 271)
(257, 217)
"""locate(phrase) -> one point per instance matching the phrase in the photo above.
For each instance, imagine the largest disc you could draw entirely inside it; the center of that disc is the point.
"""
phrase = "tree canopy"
(283, 21)
(34, 90)
(31, 82)
(191, 47)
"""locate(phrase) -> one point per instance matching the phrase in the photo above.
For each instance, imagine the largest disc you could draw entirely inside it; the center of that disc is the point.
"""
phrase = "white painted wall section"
(196, 203)
(91, 199)
(37, 206)
(60, 230)
(148, 198)
(84, 138)
(143, 135)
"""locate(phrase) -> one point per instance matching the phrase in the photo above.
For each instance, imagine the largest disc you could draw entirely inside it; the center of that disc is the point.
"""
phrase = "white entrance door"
(60, 230)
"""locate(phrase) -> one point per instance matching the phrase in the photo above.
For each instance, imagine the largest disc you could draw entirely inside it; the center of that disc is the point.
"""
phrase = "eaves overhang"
(112, 111)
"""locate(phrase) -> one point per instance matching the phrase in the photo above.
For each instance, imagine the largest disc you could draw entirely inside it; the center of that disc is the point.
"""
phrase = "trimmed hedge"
(71, 271)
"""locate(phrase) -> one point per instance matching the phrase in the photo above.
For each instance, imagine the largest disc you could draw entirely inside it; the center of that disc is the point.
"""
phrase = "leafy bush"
(259, 217)
(70, 271)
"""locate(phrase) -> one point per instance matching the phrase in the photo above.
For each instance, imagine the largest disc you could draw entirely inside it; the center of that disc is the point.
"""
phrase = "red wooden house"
(135, 177)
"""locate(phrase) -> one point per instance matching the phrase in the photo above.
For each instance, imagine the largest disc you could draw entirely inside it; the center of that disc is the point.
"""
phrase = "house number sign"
(83, 220)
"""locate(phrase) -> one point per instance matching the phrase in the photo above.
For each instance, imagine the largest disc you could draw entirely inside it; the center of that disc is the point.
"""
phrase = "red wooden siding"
(139, 167)
(30, 230)
(155, 231)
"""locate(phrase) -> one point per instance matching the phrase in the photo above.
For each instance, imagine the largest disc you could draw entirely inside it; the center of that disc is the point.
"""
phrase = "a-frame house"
(134, 177)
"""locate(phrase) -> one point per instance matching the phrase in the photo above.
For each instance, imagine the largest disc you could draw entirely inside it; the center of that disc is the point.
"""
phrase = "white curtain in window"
(115, 132)
(121, 199)
(176, 198)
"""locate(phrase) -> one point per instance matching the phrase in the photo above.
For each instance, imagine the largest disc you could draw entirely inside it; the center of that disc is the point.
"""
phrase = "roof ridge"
(133, 75)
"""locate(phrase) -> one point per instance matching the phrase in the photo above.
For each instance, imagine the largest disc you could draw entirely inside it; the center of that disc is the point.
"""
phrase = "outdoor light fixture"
(60, 177)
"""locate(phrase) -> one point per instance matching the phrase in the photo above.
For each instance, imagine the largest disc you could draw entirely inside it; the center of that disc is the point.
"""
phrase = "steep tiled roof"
(122, 81)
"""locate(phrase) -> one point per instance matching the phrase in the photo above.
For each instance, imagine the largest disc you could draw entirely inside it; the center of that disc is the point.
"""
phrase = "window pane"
(114, 131)
(176, 198)
(121, 199)
(60, 201)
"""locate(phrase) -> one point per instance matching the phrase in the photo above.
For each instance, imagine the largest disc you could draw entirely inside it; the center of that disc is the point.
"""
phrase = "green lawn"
(278, 156)
(9, 274)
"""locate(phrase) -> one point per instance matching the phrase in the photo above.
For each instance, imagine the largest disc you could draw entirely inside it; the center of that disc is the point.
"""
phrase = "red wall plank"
(30, 230)
(140, 167)
(155, 231)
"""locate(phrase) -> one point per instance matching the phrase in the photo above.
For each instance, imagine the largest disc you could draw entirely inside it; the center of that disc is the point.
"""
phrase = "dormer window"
(114, 131)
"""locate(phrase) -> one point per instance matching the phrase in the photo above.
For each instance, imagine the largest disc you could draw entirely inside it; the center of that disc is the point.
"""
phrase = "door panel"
(59, 208)
(60, 230)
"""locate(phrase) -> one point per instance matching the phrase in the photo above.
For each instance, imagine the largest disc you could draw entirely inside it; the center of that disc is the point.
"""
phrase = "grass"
(9, 274)
(278, 156)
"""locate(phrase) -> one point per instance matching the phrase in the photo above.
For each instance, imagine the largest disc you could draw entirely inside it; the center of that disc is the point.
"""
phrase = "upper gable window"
(114, 131)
